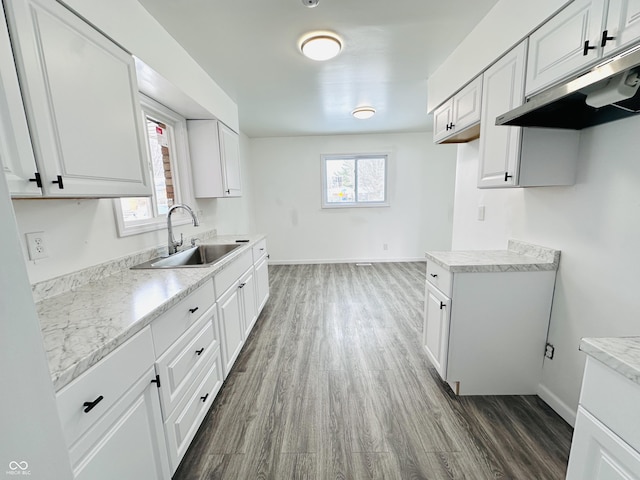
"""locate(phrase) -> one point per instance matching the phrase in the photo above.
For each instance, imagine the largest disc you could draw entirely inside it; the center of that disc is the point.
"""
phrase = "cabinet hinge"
(156, 381)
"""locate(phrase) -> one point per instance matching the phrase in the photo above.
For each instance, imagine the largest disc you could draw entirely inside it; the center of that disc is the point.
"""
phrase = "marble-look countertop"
(81, 326)
(621, 354)
(519, 257)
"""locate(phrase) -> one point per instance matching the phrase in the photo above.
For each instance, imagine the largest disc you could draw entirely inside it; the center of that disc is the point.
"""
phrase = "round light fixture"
(363, 113)
(320, 47)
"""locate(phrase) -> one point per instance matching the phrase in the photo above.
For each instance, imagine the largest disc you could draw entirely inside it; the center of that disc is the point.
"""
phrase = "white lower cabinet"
(248, 300)
(262, 283)
(231, 328)
(606, 440)
(111, 416)
(487, 336)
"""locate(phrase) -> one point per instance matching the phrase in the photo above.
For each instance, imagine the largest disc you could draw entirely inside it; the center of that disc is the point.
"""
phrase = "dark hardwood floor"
(333, 383)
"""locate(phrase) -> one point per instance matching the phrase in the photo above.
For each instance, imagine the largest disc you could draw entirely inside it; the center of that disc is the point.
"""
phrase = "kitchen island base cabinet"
(488, 338)
(127, 442)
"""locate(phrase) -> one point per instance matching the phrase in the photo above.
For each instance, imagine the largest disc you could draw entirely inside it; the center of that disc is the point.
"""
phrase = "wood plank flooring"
(333, 383)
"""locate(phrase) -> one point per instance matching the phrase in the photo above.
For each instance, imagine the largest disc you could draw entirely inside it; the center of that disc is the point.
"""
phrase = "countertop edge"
(621, 354)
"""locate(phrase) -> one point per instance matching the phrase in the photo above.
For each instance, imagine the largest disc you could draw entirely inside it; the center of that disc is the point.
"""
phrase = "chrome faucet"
(173, 245)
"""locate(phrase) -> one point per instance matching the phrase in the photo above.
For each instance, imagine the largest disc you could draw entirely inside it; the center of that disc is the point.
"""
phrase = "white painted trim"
(561, 408)
(343, 260)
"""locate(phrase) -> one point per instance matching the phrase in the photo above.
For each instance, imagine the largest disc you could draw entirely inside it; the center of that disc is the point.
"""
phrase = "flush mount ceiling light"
(363, 113)
(321, 46)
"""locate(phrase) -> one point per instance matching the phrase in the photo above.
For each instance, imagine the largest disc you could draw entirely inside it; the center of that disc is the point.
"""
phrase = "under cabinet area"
(215, 159)
(482, 308)
(457, 120)
(86, 128)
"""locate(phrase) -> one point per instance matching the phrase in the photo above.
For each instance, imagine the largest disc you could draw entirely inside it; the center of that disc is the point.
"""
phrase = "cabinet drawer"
(259, 250)
(440, 278)
(183, 424)
(185, 359)
(110, 379)
(613, 399)
(169, 326)
(232, 272)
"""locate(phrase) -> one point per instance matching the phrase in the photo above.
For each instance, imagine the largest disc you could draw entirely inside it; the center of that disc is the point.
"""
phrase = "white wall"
(82, 233)
(287, 195)
(596, 224)
(508, 22)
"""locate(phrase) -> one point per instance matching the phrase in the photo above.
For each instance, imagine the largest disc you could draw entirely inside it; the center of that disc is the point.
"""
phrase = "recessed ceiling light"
(364, 112)
(321, 46)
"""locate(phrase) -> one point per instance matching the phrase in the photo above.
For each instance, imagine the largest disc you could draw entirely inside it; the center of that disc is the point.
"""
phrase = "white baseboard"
(561, 408)
(346, 260)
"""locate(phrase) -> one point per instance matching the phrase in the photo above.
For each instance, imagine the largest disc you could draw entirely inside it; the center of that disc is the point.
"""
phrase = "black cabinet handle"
(452, 125)
(228, 192)
(199, 352)
(507, 176)
(204, 399)
(193, 310)
(442, 305)
(434, 275)
(241, 285)
(156, 381)
(59, 182)
(38, 180)
(262, 249)
(605, 38)
(585, 52)
(88, 406)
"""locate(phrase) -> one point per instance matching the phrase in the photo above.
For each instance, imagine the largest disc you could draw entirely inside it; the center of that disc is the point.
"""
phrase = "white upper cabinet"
(81, 98)
(499, 145)
(565, 44)
(513, 156)
(457, 120)
(215, 159)
(622, 26)
(16, 154)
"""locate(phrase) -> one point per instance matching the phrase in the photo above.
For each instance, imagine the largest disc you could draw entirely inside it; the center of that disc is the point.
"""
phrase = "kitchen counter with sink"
(82, 325)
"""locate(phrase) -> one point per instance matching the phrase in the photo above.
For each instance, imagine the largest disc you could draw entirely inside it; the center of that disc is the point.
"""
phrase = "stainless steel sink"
(200, 256)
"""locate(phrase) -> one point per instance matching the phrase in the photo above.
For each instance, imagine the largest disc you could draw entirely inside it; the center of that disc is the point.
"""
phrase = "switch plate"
(36, 245)
(481, 213)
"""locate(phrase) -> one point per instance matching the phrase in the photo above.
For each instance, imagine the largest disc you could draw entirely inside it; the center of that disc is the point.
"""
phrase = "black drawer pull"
(199, 352)
(507, 176)
(241, 285)
(442, 305)
(194, 310)
(88, 406)
(204, 399)
(434, 275)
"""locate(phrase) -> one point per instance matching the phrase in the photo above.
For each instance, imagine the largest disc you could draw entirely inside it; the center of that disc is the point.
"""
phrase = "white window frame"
(180, 170)
(355, 156)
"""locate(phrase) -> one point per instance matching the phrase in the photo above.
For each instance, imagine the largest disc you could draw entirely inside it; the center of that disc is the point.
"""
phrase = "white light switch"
(481, 213)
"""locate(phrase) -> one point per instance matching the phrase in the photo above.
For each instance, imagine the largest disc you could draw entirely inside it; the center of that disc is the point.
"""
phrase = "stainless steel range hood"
(611, 86)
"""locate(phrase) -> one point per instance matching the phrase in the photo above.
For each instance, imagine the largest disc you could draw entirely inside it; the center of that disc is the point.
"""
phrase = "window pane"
(340, 181)
(160, 165)
(134, 209)
(371, 181)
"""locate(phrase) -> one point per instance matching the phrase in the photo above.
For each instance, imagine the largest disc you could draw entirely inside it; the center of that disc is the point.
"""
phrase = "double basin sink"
(200, 256)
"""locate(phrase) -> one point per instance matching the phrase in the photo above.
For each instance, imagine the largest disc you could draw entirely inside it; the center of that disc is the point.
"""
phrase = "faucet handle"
(193, 241)
(179, 244)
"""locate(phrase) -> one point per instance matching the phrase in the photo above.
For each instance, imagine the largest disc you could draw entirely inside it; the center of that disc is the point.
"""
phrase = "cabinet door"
(467, 105)
(81, 98)
(231, 329)
(248, 295)
(623, 24)
(442, 120)
(599, 454)
(557, 49)
(262, 283)
(437, 316)
(503, 90)
(230, 155)
(128, 442)
(16, 154)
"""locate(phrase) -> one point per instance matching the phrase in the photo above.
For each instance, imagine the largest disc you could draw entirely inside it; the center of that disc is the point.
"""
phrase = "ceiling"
(390, 47)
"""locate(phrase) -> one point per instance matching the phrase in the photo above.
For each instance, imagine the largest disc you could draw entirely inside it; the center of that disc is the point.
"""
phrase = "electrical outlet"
(549, 350)
(481, 213)
(385, 246)
(36, 245)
